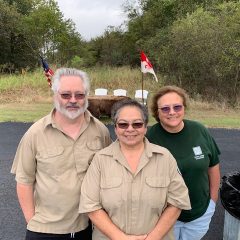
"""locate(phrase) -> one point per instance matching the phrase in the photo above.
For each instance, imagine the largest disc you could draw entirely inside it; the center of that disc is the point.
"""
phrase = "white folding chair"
(141, 96)
(120, 92)
(101, 91)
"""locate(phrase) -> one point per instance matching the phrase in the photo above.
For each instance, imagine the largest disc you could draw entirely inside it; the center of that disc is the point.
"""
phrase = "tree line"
(194, 44)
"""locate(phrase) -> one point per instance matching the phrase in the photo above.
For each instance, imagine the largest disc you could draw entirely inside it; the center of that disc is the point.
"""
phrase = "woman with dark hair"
(197, 156)
(133, 189)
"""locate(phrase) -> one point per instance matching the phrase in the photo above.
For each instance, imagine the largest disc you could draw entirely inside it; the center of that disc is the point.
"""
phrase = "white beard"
(70, 114)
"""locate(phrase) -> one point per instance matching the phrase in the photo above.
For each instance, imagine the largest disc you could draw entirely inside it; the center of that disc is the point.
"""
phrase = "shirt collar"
(50, 120)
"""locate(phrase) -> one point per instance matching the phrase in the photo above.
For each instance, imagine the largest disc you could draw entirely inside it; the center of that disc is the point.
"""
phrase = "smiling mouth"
(130, 136)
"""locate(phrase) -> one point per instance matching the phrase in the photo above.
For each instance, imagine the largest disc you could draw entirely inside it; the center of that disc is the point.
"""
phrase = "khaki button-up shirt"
(55, 165)
(134, 202)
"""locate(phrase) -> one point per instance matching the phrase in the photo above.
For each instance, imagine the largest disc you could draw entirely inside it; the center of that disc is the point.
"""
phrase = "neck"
(176, 129)
(70, 127)
(132, 155)
(135, 148)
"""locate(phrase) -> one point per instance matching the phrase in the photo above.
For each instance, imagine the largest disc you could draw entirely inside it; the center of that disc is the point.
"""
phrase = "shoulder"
(107, 151)
(98, 124)
(194, 124)
(99, 127)
(153, 129)
(152, 149)
(154, 126)
(38, 126)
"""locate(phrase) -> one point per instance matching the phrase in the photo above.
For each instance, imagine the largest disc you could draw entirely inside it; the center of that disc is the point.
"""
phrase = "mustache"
(73, 105)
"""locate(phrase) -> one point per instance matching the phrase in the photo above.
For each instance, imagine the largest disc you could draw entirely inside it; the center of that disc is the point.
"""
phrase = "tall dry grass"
(27, 97)
(33, 87)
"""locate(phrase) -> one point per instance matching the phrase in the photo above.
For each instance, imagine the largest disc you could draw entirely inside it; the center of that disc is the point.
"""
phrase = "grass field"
(26, 98)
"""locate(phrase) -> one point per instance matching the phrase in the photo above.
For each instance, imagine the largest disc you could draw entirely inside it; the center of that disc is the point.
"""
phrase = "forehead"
(71, 83)
(129, 113)
(170, 98)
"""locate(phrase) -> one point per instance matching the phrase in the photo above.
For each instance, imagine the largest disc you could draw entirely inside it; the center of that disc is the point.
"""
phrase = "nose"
(171, 111)
(130, 128)
(73, 99)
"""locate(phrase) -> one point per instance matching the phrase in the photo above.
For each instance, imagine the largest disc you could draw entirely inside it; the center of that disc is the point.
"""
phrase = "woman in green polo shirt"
(197, 156)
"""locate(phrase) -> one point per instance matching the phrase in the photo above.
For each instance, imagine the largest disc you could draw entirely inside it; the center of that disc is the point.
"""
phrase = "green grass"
(27, 97)
(23, 112)
(31, 112)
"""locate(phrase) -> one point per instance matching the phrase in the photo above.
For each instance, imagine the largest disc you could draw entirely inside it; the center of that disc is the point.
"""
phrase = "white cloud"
(92, 17)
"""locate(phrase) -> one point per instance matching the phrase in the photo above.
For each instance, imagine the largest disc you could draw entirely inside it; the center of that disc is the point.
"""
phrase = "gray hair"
(70, 72)
(116, 108)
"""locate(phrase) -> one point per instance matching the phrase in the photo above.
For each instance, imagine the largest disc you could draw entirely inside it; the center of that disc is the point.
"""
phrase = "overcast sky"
(93, 16)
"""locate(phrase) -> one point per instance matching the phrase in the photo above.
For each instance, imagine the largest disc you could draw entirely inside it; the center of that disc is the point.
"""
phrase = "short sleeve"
(178, 192)
(215, 152)
(90, 190)
(24, 164)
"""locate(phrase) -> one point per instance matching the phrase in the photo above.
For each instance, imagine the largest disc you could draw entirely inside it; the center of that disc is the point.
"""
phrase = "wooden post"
(231, 229)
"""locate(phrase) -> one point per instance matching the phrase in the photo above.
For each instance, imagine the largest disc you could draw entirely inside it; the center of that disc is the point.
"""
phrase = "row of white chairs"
(139, 94)
(104, 91)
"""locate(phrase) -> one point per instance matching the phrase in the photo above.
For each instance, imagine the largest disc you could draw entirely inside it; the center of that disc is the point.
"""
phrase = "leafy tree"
(202, 52)
(52, 35)
(149, 17)
(10, 38)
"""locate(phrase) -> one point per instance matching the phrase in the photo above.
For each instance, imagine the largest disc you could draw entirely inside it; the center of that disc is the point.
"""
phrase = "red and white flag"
(146, 66)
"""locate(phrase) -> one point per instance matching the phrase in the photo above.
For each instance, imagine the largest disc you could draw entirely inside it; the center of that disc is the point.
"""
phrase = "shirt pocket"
(111, 192)
(51, 161)
(157, 190)
(86, 153)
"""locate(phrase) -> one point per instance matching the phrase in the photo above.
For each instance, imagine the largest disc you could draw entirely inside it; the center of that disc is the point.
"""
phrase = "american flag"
(48, 71)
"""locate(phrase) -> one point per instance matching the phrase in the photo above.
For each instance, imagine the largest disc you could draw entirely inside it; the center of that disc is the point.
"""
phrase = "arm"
(107, 227)
(165, 223)
(25, 198)
(214, 181)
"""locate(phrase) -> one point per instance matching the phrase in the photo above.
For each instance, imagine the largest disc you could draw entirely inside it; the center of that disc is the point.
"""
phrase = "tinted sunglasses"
(167, 109)
(77, 96)
(125, 125)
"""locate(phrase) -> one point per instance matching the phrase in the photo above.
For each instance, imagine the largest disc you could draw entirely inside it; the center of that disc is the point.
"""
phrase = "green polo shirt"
(195, 151)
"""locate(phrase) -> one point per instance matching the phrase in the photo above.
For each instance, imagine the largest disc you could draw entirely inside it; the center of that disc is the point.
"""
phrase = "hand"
(136, 237)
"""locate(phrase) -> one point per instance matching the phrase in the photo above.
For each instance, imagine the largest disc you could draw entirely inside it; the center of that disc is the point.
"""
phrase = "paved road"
(12, 225)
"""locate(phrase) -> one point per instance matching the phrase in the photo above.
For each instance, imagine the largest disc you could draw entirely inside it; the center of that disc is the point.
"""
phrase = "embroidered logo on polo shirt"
(198, 153)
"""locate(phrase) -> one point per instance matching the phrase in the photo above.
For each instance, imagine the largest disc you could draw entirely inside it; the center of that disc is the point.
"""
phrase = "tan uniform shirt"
(134, 202)
(55, 165)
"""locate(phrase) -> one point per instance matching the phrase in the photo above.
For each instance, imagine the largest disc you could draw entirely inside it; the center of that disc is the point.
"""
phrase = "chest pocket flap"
(95, 144)
(157, 181)
(112, 182)
(51, 152)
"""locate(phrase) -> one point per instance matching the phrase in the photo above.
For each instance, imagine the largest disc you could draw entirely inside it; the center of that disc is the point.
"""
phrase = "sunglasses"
(125, 125)
(77, 96)
(167, 109)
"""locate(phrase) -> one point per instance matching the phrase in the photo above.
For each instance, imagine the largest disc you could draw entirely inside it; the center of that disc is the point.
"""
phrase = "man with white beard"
(52, 159)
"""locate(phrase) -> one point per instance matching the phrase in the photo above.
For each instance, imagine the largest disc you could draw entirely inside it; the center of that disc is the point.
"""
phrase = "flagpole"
(142, 89)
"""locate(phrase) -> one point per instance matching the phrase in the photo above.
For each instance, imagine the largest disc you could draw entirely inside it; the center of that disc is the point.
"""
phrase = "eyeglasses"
(175, 107)
(77, 96)
(125, 125)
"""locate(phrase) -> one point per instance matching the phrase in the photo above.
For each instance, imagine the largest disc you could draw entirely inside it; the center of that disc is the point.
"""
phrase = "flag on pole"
(48, 71)
(146, 66)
